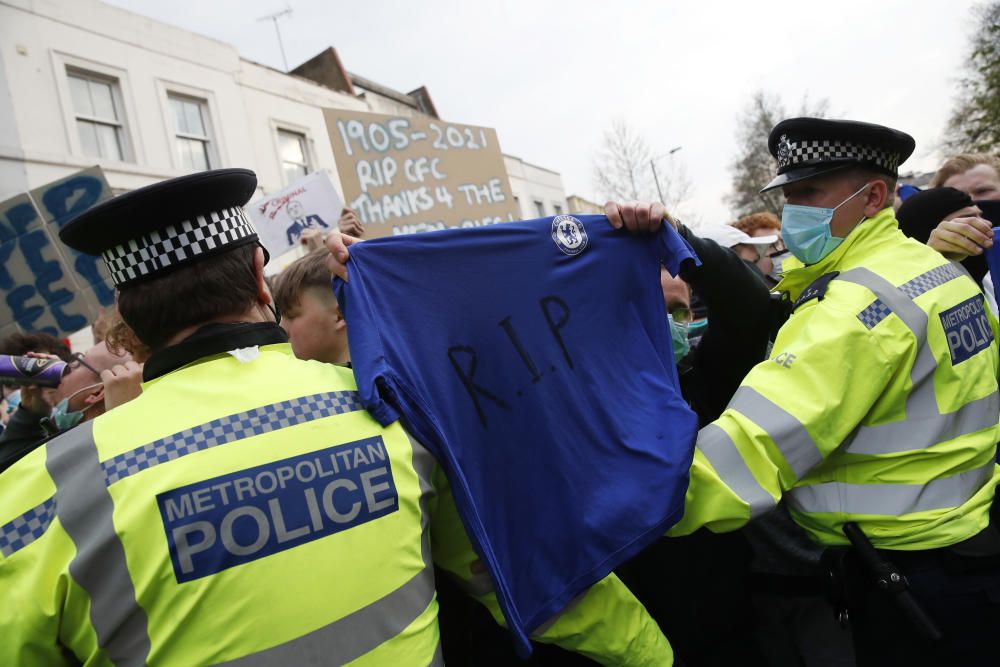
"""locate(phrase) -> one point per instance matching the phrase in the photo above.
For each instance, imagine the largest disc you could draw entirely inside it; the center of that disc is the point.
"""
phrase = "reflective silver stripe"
(922, 374)
(354, 635)
(86, 511)
(787, 432)
(939, 275)
(438, 659)
(915, 433)
(898, 302)
(721, 452)
(891, 499)
(364, 630)
(924, 425)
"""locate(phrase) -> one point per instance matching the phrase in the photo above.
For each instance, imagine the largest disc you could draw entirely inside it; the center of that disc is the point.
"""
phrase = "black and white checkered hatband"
(817, 151)
(175, 244)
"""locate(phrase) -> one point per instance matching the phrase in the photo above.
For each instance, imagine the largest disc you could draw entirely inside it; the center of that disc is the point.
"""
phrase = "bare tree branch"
(622, 170)
(753, 165)
(974, 126)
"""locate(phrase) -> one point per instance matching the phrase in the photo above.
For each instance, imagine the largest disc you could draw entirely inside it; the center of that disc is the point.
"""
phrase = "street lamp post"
(656, 178)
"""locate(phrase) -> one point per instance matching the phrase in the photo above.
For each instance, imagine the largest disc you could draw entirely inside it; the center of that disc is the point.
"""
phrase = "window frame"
(117, 105)
(208, 140)
(65, 65)
(305, 141)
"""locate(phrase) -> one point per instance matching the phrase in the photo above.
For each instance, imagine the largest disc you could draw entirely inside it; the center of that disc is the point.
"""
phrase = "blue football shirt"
(534, 360)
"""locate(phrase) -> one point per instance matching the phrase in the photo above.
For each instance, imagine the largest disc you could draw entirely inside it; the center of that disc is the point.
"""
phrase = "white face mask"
(776, 262)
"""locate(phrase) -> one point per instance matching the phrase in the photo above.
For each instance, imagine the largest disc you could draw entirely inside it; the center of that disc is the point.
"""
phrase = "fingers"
(41, 355)
(952, 244)
(978, 230)
(127, 370)
(642, 217)
(630, 217)
(612, 210)
(337, 243)
(337, 246)
(350, 223)
(636, 217)
(311, 239)
(122, 383)
(658, 212)
(961, 237)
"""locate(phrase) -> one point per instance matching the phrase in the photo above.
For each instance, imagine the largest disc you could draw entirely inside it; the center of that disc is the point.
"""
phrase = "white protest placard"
(280, 218)
(45, 285)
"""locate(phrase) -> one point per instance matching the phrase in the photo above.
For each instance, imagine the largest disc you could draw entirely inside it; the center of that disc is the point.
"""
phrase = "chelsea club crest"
(569, 234)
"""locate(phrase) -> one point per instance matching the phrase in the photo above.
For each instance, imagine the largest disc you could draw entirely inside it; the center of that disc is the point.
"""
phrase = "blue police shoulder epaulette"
(816, 290)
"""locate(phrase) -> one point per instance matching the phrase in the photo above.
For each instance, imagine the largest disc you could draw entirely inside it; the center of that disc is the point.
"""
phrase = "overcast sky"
(551, 76)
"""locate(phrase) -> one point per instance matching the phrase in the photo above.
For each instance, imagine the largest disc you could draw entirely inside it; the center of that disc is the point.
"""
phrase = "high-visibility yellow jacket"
(250, 514)
(878, 404)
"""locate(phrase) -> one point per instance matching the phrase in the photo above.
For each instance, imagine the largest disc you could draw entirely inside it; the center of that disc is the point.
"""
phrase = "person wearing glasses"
(770, 258)
(709, 571)
(81, 396)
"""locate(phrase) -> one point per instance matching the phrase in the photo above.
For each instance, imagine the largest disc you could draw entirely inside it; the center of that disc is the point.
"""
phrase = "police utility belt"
(857, 570)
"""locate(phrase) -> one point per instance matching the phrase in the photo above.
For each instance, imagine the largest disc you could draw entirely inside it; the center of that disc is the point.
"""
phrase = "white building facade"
(537, 191)
(84, 83)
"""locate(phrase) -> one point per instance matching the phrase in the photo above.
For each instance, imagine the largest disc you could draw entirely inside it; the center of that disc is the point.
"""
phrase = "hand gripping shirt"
(534, 360)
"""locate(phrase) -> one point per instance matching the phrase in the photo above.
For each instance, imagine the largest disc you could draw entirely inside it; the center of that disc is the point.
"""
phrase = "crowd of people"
(841, 360)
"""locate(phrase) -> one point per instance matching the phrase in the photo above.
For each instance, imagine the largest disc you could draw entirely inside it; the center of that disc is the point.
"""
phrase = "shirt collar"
(210, 340)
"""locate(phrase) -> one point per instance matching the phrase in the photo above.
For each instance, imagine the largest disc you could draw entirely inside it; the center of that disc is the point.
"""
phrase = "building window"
(557, 209)
(97, 106)
(294, 155)
(517, 206)
(540, 207)
(192, 131)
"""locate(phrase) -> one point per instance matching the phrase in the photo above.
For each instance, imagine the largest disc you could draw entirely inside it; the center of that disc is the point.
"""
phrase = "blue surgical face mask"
(806, 230)
(679, 338)
(62, 418)
(697, 327)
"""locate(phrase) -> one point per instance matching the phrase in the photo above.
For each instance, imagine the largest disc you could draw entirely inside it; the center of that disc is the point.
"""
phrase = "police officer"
(876, 415)
(244, 509)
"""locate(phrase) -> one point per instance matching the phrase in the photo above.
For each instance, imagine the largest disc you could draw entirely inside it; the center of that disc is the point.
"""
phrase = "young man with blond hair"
(310, 313)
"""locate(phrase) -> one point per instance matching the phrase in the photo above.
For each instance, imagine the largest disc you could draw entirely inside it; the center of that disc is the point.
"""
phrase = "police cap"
(151, 231)
(807, 147)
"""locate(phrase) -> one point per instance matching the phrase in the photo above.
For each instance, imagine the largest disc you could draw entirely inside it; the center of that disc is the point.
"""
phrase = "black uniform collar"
(210, 340)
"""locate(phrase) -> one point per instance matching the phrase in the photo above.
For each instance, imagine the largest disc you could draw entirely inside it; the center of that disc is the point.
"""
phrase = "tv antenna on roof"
(287, 11)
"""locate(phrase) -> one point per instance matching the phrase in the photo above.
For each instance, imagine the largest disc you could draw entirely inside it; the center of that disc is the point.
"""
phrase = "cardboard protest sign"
(310, 203)
(44, 285)
(417, 174)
